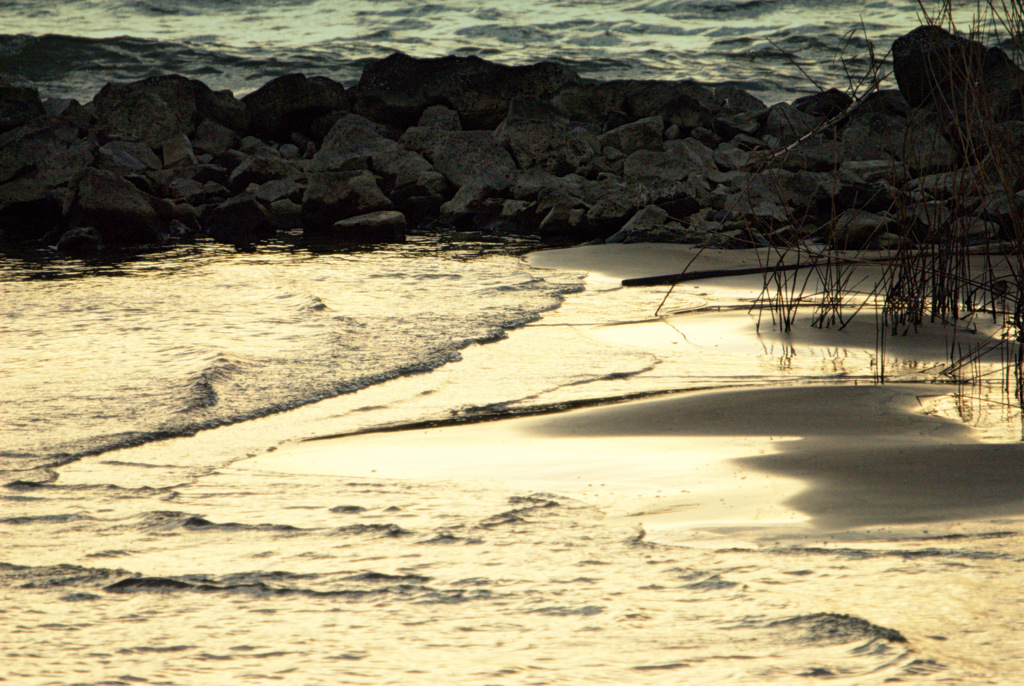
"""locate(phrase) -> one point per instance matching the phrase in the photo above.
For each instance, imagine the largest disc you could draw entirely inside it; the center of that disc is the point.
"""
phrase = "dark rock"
(177, 152)
(788, 124)
(644, 225)
(618, 202)
(285, 214)
(440, 117)
(47, 149)
(816, 153)
(644, 134)
(883, 127)
(70, 109)
(728, 156)
(513, 217)
(678, 161)
(151, 110)
(397, 89)
(259, 169)
(127, 157)
(926, 220)
(163, 181)
(876, 170)
(538, 135)
(375, 227)
(824, 105)
(121, 213)
(536, 183)
(877, 196)
(29, 209)
(293, 103)
(221, 107)
(957, 75)
(564, 222)
(332, 196)
(735, 101)
(705, 136)
(684, 103)
(18, 106)
(350, 144)
(277, 189)
(1004, 163)
(81, 240)
(240, 221)
(467, 202)
(463, 155)
(355, 142)
(856, 229)
(189, 190)
(213, 138)
(230, 159)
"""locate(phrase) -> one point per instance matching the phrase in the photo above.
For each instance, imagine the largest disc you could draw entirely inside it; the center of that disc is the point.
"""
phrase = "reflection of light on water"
(994, 414)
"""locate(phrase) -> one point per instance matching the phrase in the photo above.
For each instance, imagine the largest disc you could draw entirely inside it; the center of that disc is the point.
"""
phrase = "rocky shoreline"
(480, 149)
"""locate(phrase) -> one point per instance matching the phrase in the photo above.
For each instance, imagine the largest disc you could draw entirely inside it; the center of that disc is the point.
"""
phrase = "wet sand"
(755, 462)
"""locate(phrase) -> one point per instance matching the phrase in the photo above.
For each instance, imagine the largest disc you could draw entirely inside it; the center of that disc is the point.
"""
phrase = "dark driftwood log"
(670, 279)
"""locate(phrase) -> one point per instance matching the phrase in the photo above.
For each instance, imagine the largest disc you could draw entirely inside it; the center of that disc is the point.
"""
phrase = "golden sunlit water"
(438, 464)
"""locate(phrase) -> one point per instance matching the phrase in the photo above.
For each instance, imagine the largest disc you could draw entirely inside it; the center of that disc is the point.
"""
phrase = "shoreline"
(827, 454)
(590, 539)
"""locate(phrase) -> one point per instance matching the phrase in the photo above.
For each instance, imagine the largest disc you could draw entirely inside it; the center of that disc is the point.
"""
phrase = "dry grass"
(938, 270)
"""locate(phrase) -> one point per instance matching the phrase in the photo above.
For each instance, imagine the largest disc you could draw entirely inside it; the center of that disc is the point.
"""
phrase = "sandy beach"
(757, 457)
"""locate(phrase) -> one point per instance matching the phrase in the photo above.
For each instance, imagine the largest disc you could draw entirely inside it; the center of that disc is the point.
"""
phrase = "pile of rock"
(513, 150)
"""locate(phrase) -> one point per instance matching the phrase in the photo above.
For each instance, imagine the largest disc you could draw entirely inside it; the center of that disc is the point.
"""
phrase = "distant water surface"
(772, 47)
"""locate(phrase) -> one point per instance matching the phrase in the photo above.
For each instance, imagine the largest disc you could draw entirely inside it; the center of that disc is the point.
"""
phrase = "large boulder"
(350, 144)
(957, 75)
(615, 205)
(355, 142)
(883, 127)
(399, 88)
(120, 212)
(856, 229)
(376, 227)
(127, 157)
(80, 240)
(643, 134)
(292, 103)
(683, 103)
(150, 111)
(259, 169)
(18, 106)
(678, 160)
(214, 138)
(463, 155)
(537, 134)
(332, 196)
(47, 149)
(786, 124)
(240, 221)
(221, 107)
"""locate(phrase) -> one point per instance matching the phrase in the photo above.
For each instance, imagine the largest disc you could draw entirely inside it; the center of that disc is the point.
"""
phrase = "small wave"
(866, 554)
(56, 576)
(201, 388)
(382, 530)
(171, 520)
(826, 628)
(47, 519)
